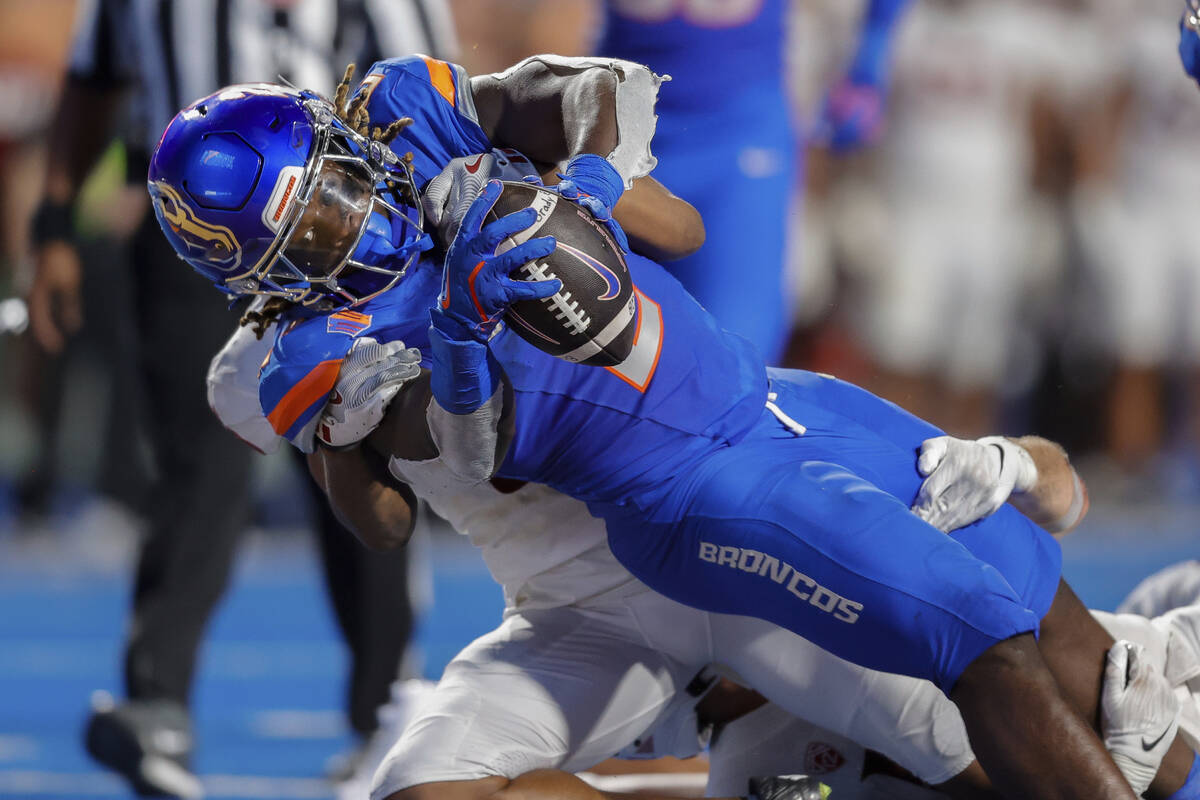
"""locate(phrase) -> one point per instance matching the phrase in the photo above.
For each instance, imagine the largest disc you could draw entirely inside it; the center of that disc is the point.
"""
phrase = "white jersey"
(1162, 122)
(541, 546)
(959, 101)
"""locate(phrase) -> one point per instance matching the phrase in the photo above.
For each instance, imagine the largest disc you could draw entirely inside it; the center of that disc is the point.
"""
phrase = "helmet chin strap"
(376, 244)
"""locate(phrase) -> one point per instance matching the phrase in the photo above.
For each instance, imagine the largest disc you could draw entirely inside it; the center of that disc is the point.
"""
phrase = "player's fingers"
(508, 225)
(933, 487)
(71, 310)
(932, 452)
(509, 260)
(530, 290)
(473, 220)
(567, 188)
(1138, 665)
(1116, 666)
(41, 320)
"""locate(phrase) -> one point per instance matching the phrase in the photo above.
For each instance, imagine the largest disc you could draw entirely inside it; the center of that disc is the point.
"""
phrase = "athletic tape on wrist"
(1069, 518)
(593, 175)
(464, 373)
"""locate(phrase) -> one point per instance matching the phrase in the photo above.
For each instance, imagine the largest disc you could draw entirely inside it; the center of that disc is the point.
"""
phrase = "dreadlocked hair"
(353, 112)
(265, 316)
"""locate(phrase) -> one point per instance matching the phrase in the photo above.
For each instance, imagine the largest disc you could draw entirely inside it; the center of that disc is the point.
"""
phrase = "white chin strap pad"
(636, 94)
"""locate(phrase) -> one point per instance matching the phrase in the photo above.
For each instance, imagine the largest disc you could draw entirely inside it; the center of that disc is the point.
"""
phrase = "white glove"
(447, 197)
(1139, 714)
(370, 376)
(967, 480)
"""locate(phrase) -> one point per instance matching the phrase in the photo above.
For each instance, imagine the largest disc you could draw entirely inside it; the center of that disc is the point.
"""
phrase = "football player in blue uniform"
(727, 143)
(780, 495)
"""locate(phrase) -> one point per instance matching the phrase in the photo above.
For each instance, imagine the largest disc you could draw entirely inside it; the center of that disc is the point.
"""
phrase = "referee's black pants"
(199, 502)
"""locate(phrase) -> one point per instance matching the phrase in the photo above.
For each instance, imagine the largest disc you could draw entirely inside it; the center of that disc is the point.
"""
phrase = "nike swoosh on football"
(1147, 747)
(473, 168)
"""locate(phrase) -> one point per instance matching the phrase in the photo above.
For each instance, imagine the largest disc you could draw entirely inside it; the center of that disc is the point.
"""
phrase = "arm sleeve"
(233, 388)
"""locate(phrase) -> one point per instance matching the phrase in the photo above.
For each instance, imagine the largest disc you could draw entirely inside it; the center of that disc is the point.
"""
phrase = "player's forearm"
(550, 112)
(80, 133)
(659, 224)
(1058, 501)
(365, 498)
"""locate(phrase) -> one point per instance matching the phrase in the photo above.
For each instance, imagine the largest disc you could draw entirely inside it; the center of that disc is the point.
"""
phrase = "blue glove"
(851, 117)
(595, 184)
(476, 287)
(1189, 39)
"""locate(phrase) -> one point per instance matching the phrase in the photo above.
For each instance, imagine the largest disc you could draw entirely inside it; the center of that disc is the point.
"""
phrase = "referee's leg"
(198, 504)
(370, 597)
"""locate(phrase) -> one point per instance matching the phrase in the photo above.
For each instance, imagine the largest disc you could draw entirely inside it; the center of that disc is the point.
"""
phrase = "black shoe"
(788, 787)
(149, 742)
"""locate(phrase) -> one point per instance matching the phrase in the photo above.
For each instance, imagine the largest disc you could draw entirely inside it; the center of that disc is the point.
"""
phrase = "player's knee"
(480, 789)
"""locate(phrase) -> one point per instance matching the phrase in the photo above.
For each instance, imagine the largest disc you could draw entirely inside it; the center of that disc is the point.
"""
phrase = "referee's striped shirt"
(175, 51)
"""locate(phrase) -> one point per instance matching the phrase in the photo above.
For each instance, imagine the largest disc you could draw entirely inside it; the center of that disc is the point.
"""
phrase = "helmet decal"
(213, 243)
(270, 190)
(276, 209)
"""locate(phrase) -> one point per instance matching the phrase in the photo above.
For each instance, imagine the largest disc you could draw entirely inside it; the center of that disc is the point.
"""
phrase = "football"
(592, 318)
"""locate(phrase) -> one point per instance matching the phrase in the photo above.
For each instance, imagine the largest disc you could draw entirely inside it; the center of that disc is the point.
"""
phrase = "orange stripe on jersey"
(315, 385)
(639, 367)
(441, 77)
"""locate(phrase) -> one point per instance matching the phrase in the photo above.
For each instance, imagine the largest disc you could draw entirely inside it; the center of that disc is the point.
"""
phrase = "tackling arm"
(364, 496)
(968, 479)
(1058, 500)
(550, 109)
(659, 225)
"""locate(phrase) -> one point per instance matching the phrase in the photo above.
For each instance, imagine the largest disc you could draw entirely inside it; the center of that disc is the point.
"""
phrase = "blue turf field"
(268, 697)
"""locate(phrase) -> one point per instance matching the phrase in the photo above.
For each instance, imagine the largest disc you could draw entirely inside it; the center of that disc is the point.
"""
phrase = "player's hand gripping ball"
(477, 283)
(582, 309)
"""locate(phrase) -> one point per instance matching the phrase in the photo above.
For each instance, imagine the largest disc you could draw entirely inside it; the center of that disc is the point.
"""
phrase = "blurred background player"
(727, 143)
(164, 55)
(940, 304)
(1135, 216)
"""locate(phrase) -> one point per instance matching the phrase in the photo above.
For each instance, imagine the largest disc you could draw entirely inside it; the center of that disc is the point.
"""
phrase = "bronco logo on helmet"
(215, 244)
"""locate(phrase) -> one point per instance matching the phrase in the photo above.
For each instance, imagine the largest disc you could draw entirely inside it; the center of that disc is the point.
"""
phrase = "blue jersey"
(437, 96)
(715, 52)
(593, 433)
(724, 143)
(612, 435)
(620, 434)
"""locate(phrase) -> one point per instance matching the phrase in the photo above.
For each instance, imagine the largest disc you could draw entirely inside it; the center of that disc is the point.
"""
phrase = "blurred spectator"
(34, 40)
(725, 142)
(171, 53)
(1137, 217)
(939, 309)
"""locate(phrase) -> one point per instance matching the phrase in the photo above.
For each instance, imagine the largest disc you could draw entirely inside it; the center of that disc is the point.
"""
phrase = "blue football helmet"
(264, 190)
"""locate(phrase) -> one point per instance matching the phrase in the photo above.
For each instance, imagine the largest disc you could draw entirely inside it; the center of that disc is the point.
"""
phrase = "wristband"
(593, 175)
(52, 222)
(464, 373)
(1071, 516)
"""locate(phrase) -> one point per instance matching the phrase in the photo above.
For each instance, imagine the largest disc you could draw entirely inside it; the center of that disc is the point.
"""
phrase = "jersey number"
(703, 13)
(638, 369)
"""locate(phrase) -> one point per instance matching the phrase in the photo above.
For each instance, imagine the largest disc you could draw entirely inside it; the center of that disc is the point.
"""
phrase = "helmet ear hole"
(275, 124)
